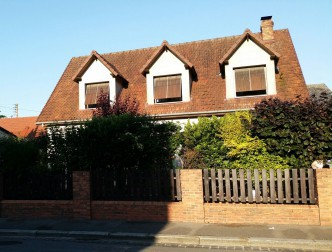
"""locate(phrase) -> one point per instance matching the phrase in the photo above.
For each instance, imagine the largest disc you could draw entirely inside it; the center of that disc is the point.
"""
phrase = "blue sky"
(38, 38)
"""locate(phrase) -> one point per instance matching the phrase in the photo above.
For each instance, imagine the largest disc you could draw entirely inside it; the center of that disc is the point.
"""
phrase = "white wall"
(168, 64)
(250, 54)
(97, 72)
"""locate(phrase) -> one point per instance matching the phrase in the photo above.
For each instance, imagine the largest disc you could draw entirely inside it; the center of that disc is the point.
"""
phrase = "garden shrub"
(123, 141)
(20, 155)
(226, 142)
(300, 131)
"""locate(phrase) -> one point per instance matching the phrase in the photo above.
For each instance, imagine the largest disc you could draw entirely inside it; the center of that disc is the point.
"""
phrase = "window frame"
(168, 99)
(94, 105)
(250, 91)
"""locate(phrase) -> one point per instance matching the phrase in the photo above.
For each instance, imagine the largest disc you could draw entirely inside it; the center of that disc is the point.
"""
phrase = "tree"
(120, 106)
(299, 130)
(2, 116)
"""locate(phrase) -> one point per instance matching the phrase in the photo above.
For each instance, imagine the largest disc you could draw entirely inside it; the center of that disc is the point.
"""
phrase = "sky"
(38, 38)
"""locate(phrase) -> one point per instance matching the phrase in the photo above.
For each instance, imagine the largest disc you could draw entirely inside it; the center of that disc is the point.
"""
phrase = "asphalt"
(312, 238)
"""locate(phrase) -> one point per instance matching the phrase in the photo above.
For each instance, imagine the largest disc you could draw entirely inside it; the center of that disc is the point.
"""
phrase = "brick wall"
(324, 190)
(37, 209)
(191, 209)
(225, 213)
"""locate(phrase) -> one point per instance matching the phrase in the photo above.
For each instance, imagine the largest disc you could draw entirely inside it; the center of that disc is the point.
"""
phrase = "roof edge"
(245, 36)
(93, 56)
(166, 46)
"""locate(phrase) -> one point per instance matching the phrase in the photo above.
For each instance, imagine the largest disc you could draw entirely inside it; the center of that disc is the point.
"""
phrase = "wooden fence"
(136, 185)
(42, 185)
(296, 186)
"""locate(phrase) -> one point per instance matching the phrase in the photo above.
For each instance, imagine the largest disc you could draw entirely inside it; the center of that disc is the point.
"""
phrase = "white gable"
(247, 55)
(167, 64)
(97, 72)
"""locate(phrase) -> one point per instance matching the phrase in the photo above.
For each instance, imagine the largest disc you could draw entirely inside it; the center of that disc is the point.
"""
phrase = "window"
(250, 81)
(92, 92)
(167, 89)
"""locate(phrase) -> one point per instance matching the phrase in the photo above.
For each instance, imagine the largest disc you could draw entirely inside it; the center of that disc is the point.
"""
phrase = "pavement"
(276, 237)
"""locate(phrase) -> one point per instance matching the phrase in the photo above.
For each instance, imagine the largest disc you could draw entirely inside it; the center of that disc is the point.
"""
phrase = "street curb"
(204, 241)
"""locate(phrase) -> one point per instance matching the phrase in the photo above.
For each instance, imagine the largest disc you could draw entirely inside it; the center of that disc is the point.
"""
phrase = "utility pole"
(16, 109)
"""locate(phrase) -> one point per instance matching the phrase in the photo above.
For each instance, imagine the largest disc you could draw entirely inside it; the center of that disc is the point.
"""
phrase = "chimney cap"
(266, 18)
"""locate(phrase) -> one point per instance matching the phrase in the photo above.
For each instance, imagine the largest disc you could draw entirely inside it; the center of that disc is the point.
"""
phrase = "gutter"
(158, 116)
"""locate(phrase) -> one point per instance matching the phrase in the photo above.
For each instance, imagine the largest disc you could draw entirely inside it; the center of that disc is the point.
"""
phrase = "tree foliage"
(20, 155)
(105, 107)
(300, 131)
(125, 142)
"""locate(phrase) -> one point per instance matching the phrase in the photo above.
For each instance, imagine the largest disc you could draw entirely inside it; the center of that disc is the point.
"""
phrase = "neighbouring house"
(318, 89)
(181, 81)
(22, 127)
(5, 133)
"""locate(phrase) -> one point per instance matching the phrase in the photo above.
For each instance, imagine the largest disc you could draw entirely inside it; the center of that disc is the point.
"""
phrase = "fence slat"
(206, 185)
(228, 186)
(221, 186)
(280, 187)
(287, 186)
(178, 185)
(235, 187)
(171, 173)
(295, 186)
(303, 186)
(264, 182)
(257, 187)
(272, 187)
(249, 186)
(242, 187)
(311, 186)
(213, 185)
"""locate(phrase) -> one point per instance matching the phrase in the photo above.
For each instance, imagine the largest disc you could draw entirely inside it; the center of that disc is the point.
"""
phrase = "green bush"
(226, 142)
(300, 131)
(122, 141)
(19, 155)
(202, 145)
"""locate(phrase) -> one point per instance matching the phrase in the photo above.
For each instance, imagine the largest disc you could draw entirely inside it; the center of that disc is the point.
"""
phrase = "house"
(181, 81)
(21, 127)
(318, 89)
(5, 134)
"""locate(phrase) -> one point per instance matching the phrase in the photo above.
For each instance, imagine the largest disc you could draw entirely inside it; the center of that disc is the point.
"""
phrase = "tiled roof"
(5, 133)
(317, 89)
(208, 91)
(21, 126)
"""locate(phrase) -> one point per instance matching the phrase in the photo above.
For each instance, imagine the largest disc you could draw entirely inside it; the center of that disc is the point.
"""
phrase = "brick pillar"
(1, 193)
(1, 186)
(192, 195)
(81, 195)
(324, 190)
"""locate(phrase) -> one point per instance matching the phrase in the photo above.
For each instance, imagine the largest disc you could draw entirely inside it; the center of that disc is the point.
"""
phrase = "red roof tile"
(21, 126)
(208, 91)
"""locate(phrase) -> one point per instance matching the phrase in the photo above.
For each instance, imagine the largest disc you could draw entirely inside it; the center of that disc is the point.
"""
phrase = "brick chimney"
(267, 28)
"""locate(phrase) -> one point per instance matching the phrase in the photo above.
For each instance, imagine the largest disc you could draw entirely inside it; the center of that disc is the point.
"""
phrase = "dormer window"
(250, 81)
(249, 68)
(94, 75)
(92, 92)
(167, 88)
(169, 76)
